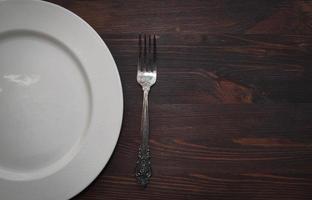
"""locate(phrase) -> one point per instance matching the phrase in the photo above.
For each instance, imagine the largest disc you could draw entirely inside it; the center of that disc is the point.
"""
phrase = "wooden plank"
(196, 16)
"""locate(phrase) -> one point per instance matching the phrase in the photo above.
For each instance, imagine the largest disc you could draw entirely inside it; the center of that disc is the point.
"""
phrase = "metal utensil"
(146, 77)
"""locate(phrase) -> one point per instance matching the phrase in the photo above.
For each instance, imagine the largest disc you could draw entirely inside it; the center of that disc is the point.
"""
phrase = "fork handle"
(143, 167)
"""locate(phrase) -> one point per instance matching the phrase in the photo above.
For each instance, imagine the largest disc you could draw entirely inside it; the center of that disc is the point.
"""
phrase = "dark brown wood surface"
(231, 113)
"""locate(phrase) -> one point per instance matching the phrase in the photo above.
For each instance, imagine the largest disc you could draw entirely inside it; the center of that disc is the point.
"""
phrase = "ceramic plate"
(60, 102)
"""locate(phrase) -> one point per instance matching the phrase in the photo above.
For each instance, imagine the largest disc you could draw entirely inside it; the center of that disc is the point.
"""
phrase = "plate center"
(44, 105)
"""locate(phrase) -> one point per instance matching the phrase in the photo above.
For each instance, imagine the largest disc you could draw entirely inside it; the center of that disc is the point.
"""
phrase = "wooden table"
(231, 113)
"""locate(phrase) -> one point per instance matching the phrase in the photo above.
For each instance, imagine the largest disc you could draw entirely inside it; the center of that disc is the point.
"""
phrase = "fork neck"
(145, 120)
(146, 89)
(145, 95)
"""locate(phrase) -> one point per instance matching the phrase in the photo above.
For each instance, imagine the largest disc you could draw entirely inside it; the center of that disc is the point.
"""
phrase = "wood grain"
(231, 113)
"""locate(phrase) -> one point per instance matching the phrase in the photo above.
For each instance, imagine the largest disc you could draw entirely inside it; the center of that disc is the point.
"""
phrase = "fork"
(146, 77)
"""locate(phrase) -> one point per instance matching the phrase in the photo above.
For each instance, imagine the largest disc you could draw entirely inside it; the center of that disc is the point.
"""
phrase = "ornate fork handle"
(143, 167)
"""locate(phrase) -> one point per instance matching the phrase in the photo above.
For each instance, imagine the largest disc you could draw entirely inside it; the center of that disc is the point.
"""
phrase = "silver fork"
(146, 77)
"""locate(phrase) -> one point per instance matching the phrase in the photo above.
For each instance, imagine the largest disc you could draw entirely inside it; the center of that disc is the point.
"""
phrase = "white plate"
(60, 102)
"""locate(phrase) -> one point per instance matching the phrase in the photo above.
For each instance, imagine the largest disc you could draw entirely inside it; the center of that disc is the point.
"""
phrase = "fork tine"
(140, 53)
(154, 63)
(140, 45)
(149, 53)
(145, 54)
(149, 44)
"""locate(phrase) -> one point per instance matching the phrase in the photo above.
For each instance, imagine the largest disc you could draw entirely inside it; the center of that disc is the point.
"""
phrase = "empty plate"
(60, 102)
